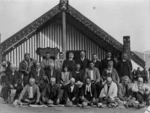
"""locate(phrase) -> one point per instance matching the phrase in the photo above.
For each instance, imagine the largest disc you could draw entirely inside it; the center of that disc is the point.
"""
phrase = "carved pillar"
(63, 6)
(126, 45)
(0, 50)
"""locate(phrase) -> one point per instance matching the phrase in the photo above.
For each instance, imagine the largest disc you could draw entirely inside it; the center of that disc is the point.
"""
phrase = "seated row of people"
(71, 94)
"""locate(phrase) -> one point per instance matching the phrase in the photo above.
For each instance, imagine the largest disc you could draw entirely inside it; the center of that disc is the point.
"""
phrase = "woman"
(65, 76)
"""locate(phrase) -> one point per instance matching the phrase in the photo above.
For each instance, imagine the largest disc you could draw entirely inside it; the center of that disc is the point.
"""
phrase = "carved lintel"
(63, 5)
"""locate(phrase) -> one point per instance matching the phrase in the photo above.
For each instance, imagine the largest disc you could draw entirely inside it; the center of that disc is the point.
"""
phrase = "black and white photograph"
(74, 56)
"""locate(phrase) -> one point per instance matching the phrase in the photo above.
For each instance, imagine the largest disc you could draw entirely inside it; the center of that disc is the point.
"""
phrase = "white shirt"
(72, 88)
(91, 75)
(82, 59)
(31, 92)
(108, 58)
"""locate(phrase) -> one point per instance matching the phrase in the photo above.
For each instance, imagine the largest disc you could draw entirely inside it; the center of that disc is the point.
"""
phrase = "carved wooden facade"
(47, 31)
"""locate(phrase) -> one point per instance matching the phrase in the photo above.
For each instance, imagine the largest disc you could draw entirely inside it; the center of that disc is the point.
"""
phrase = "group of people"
(79, 82)
(138, 73)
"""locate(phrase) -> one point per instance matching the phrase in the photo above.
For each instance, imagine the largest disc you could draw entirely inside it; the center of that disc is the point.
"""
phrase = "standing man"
(45, 64)
(83, 61)
(97, 62)
(124, 67)
(25, 67)
(149, 72)
(59, 62)
(145, 75)
(106, 60)
(70, 63)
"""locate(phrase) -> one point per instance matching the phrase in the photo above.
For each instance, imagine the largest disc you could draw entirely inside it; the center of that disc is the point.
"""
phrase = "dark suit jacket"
(55, 74)
(96, 75)
(93, 90)
(120, 68)
(78, 76)
(105, 63)
(68, 93)
(52, 92)
(34, 74)
(23, 66)
(98, 65)
(12, 79)
(70, 64)
(114, 75)
(84, 64)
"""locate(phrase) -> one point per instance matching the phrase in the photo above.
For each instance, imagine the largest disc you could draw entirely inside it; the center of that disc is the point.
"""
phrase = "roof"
(33, 26)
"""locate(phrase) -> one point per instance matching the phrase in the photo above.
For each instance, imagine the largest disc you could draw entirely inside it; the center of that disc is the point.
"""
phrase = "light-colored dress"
(65, 76)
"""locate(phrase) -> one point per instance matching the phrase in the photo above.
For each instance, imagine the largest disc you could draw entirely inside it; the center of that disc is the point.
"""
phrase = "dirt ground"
(6, 108)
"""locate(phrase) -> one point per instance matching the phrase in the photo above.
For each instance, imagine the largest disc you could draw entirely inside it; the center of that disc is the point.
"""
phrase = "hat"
(84, 104)
(69, 104)
(50, 103)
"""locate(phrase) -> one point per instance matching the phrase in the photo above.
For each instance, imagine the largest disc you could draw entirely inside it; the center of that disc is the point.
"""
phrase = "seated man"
(12, 81)
(30, 93)
(140, 92)
(111, 71)
(78, 75)
(52, 93)
(71, 93)
(109, 92)
(93, 73)
(124, 89)
(88, 93)
(53, 73)
(39, 75)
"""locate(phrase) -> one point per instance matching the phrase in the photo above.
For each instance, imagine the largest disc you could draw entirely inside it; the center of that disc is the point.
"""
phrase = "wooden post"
(64, 33)
(63, 6)
(126, 45)
(0, 50)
